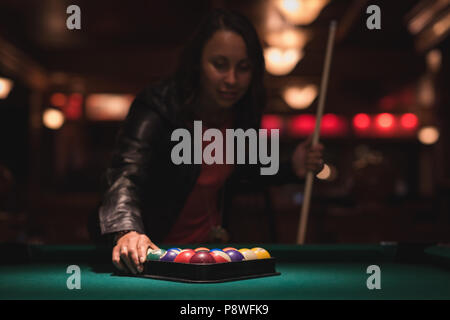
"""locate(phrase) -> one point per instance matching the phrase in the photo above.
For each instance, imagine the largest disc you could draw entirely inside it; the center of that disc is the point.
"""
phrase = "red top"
(200, 212)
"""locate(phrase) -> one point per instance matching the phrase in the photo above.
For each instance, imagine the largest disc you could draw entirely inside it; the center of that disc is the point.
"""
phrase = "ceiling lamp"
(300, 97)
(434, 60)
(288, 38)
(281, 61)
(301, 12)
(428, 135)
(108, 107)
(5, 87)
(53, 119)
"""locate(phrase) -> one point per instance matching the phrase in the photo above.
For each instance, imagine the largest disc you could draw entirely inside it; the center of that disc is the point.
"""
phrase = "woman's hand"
(306, 157)
(130, 252)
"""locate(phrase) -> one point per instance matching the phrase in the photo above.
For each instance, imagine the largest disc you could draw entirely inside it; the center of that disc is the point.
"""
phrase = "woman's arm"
(137, 148)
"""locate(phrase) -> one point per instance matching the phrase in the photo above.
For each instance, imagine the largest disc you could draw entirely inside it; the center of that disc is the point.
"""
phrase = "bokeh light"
(409, 121)
(298, 97)
(361, 121)
(5, 87)
(58, 99)
(385, 121)
(281, 62)
(428, 135)
(53, 119)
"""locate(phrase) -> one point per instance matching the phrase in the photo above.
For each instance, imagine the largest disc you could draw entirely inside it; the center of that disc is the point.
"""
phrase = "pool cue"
(315, 140)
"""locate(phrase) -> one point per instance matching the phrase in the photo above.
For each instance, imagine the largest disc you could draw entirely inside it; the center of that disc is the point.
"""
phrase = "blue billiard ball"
(169, 256)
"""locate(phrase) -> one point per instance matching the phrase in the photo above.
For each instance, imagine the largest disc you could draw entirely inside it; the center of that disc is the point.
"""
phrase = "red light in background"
(333, 125)
(302, 125)
(385, 121)
(58, 100)
(361, 121)
(73, 109)
(76, 98)
(385, 125)
(409, 121)
(330, 122)
(271, 122)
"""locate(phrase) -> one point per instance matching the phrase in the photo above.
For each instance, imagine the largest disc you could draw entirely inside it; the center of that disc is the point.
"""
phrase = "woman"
(219, 81)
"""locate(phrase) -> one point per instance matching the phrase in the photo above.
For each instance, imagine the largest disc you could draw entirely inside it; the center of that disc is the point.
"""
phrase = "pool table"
(406, 271)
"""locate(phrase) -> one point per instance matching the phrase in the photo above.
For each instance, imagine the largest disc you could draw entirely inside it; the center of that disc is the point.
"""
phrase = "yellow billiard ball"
(248, 254)
(261, 253)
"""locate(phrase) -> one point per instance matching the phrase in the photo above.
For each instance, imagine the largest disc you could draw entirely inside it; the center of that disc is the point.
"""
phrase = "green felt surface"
(307, 272)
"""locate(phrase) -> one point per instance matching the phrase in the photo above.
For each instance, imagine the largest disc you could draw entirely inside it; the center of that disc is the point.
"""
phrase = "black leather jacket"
(145, 191)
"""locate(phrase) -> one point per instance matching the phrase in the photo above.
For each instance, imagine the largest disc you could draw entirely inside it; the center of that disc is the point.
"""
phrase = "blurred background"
(63, 94)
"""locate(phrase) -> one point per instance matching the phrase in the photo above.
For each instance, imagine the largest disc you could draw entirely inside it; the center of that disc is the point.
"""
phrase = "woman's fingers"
(153, 246)
(314, 162)
(142, 249)
(125, 257)
(116, 259)
(144, 243)
(134, 256)
(314, 158)
(131, 252)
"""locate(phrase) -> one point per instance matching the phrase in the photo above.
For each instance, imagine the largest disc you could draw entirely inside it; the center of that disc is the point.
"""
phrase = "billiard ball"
(235, 255)
(228, 248)
(201, 249)
(215, 249)
(155, 254)
(261, 253)
(169, 256)
(184, 256)
(176, 249)
(220, 256)
(202, 257)
(248, 254)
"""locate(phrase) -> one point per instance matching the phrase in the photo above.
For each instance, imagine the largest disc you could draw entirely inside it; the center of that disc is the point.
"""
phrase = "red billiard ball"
(184, 256)
(220, 256)
(190, 250)
(202, 257)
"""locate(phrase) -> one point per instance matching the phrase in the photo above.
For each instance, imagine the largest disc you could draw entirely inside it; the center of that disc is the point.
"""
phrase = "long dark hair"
(249, 109)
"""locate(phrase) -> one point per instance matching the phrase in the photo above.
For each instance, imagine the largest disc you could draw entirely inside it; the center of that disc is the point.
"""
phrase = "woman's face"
(226, 69)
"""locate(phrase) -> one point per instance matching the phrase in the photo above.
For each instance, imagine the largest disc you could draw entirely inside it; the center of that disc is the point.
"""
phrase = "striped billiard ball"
(169, 256)
(155, 254)
(248, 254)
(235, 255)
(220, 256)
